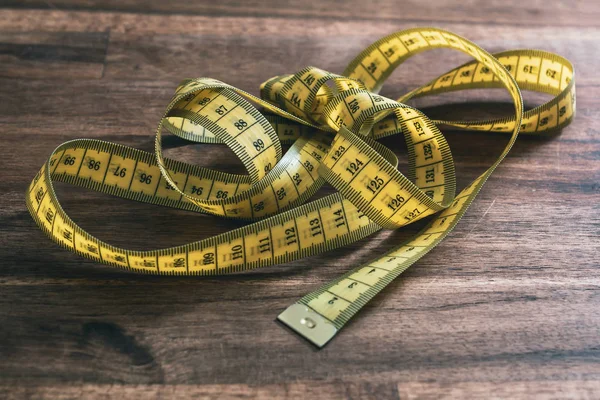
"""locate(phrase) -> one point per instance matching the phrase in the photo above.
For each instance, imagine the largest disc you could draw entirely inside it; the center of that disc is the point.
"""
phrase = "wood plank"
(52, 55)
(158, 47)
(313, 389)
(510, 12)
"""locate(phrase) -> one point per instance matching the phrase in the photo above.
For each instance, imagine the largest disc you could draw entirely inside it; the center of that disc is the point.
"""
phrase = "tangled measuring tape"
(332, 123)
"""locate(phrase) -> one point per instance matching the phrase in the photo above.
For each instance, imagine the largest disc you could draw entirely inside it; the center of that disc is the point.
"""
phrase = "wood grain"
(506, 307)
(511, 12)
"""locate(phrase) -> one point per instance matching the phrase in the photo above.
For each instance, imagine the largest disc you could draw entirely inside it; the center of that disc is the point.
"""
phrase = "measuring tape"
(332, 123)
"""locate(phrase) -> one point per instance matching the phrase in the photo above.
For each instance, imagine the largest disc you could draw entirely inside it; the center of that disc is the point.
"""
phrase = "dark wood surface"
(507, 306)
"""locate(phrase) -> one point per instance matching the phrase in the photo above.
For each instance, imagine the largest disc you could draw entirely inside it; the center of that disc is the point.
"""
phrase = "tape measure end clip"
(308, 324)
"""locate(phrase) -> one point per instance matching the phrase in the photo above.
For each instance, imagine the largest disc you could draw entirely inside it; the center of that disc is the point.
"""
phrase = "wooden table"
(507, 306)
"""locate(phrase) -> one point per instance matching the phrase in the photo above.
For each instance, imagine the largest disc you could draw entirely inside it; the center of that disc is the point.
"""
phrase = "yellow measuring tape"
(331, 122)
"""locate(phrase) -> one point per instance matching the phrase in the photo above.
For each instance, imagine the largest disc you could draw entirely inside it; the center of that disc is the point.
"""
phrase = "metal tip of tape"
(308, 324)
